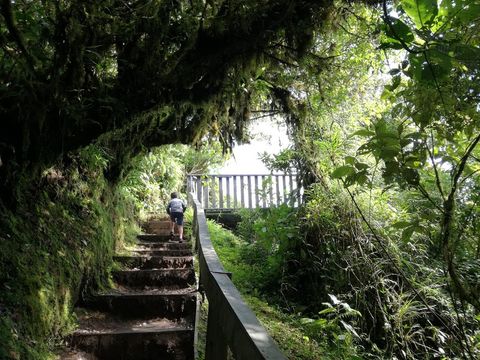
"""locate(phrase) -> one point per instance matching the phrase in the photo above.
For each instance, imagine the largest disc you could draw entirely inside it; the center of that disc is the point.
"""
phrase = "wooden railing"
(232, 327)
(224, 192)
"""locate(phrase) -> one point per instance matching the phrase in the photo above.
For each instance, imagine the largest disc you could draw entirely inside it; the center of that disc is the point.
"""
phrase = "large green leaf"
(466, 54)
(342, 171)
(454, 13)
(363, 132)
(422, 12)
(398, 31)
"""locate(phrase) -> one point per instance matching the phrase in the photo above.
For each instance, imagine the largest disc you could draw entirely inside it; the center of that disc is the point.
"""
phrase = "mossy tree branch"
(103, 64)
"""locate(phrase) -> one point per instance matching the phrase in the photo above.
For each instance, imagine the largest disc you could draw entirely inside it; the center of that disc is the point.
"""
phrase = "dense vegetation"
(58, 247)
(298, 337)
(388, 149)
(382, 103)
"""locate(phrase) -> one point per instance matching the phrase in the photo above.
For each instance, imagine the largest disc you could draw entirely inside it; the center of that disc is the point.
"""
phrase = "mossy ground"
(57, 242)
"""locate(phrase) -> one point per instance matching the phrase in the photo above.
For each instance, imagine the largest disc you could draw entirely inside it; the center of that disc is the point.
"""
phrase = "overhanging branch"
(6, 10)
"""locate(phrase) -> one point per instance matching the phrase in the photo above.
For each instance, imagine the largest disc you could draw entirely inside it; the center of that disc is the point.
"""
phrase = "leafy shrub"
(298, 338)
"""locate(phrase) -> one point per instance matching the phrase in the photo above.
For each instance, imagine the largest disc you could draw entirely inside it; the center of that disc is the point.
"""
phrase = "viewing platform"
(228, 192)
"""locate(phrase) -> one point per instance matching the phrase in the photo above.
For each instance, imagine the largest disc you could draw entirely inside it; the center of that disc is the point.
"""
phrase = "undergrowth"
(298, 337)
(57, 242)
(355, 292)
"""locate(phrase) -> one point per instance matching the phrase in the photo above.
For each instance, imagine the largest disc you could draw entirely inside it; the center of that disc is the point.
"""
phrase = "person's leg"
(180, 232)
(172, 222)
(180, 225)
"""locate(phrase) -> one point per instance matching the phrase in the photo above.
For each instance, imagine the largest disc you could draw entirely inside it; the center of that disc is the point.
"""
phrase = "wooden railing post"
(216, 347)
(270, 190)
(249, 191)
(205, 194)
(220, 192)
(277, 188)
(199, 189)
(256, 191)
(235, 199)
(214, 192)
(242, 190)
(228, 192)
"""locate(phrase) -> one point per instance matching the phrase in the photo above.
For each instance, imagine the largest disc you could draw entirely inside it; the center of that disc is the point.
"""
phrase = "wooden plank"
(216, 346)
(242, 191)
(299, 195)
(249, 190)
(199, 189)
(205, 194)
(270, 189)
(264, 174)
(228, 192)
(277, 188)
(257, 203)
(284, 189)
(189, 184)
(214, 193)
(235, 192)
(264, 193)
(220, 191)
(292, 194)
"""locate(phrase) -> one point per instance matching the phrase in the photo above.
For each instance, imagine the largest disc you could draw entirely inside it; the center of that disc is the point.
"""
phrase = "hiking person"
(175, 209)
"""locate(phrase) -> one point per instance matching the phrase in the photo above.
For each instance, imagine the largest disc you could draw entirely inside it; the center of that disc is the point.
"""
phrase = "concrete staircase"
(150, 314)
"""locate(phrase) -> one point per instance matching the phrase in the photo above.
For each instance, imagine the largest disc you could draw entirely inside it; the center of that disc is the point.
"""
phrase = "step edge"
(78, 333)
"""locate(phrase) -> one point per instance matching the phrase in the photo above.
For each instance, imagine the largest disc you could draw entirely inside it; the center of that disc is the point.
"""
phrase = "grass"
(296, 338)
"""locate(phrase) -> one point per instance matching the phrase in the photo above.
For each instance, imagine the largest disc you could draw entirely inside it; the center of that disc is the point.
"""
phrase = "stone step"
(157, 226)
(162, 278)
(74, 354)
(128, 304)
(148, 252)
(171, 245)
(156, 237)
(155, 262)
(108, 337)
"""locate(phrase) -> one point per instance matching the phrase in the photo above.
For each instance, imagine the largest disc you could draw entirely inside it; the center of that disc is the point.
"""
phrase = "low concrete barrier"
(232, 326)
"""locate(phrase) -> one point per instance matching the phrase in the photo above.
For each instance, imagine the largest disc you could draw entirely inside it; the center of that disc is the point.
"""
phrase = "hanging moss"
(87, 69)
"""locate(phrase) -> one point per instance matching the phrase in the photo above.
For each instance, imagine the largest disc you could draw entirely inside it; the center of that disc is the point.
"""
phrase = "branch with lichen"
(7, 12)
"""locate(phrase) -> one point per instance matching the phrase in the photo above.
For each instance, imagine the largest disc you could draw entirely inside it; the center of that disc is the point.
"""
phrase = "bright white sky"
(267, 136)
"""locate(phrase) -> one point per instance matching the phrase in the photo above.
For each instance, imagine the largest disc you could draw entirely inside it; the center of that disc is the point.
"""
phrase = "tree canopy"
(141, 73)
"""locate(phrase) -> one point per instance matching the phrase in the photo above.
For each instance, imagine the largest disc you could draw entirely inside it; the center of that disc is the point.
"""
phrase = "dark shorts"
(177, 217)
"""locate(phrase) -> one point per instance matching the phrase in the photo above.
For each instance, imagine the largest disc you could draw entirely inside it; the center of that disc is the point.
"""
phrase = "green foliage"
(427, 141)
(152, 179)
(56, 246)
(154, 176)
(387, 103)
(284, 161)
(297, 337)
(271, 234)
(405, 146)
(300, 338)
(333, 324)
(152, 72)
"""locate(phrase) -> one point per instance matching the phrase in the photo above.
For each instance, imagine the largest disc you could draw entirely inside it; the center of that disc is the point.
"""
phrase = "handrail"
(231, 175)
(231, 323)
